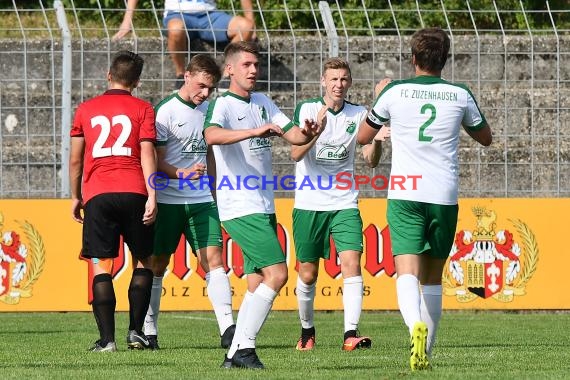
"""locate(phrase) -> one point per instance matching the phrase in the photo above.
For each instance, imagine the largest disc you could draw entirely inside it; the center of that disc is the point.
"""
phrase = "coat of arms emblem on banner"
(488, 262)
(22, 259)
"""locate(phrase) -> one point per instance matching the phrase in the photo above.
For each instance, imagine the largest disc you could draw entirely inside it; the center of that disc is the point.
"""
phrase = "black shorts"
(108, 216)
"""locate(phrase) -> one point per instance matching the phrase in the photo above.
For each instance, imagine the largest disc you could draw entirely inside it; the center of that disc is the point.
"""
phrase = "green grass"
(472, 345)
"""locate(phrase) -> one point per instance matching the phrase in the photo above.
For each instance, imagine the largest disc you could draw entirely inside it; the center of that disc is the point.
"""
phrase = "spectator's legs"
(177, 44)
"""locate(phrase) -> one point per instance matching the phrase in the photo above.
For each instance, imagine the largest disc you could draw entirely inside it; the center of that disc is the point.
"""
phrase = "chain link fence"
(520, 76)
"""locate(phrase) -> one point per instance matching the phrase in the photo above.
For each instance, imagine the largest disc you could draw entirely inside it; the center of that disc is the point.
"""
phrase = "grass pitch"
(471, 345)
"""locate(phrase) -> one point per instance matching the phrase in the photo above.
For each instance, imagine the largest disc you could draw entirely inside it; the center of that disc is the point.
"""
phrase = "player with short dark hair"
(239, 125)
(183, 210)
(112, 156)
(425, 115)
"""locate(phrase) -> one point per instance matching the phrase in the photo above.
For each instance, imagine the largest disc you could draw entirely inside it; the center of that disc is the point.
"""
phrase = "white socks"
(431, 311)
(352, 301)
(251, 317)
(219, 292)
(407, 288)
(306, 301)
(151, 319)
(257, 311)
(242, 315)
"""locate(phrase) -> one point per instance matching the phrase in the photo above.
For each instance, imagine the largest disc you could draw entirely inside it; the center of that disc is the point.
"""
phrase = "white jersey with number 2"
(425, 114)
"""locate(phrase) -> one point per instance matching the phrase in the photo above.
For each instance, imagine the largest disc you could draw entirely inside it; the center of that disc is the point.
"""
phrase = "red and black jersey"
(113, 125)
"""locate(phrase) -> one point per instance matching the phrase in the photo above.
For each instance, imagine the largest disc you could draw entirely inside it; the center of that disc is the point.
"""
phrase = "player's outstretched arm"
(125, 27)
(148, 164)
(299, 151)
(483, 136)
(370, 125)
(192, 173)
(381, 85)
(365, 133)
(216, 135)
(373, 151)
(311, 129)
(75, 176)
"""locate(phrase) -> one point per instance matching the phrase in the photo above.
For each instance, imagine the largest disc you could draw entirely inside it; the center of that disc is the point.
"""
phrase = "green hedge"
(380, 18)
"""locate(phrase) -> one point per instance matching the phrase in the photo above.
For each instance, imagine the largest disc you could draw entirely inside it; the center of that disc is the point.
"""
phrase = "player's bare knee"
(159, 265)
(101, 266)
(350, 264)
(213, 259)
(278, 279)
(308, 278)
(144, 263)
(308, 273)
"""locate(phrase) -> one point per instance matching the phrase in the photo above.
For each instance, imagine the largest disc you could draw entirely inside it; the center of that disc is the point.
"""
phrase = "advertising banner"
(508, 254)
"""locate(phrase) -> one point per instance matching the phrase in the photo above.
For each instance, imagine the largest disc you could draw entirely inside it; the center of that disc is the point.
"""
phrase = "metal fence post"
(330, 28)
(65, 97)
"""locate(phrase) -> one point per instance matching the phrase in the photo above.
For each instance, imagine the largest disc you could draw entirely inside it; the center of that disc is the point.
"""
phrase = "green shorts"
(418, 227)
(199, 222)
(312, 231)
(256, 234)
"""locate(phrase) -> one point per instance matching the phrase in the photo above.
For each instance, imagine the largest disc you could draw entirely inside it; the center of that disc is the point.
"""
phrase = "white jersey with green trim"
(425, 115)
(179, 126)
(332, 155)
(244, 175)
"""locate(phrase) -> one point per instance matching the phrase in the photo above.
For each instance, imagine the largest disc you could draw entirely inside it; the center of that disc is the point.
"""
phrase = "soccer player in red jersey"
(112, 157)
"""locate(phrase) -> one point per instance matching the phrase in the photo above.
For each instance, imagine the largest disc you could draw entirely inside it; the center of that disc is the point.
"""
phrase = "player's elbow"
(295, 156)
(211, 137)
(362, 140)
(486, 138)
(372, 164)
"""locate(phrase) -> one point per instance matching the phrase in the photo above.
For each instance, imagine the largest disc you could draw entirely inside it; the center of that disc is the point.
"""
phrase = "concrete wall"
(522, 86)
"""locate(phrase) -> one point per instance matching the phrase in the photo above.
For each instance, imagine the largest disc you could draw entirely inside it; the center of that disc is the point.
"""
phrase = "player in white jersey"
(239, 125)
(324, 209)
(184, 208)
(425, 115)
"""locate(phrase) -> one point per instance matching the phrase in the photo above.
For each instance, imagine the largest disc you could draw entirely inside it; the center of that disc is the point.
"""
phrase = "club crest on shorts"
(22, 259)
(488, 262)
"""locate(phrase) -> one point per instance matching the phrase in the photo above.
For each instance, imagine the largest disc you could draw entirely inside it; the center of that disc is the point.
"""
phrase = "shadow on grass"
(78, 366)
(34, 332)
(505, 345)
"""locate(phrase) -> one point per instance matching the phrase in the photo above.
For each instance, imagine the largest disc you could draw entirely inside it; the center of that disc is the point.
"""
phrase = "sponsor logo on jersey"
(332, 153)
(259, 143)
(195, 147)
(490, 263)
(22, 260)
(264, 117)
